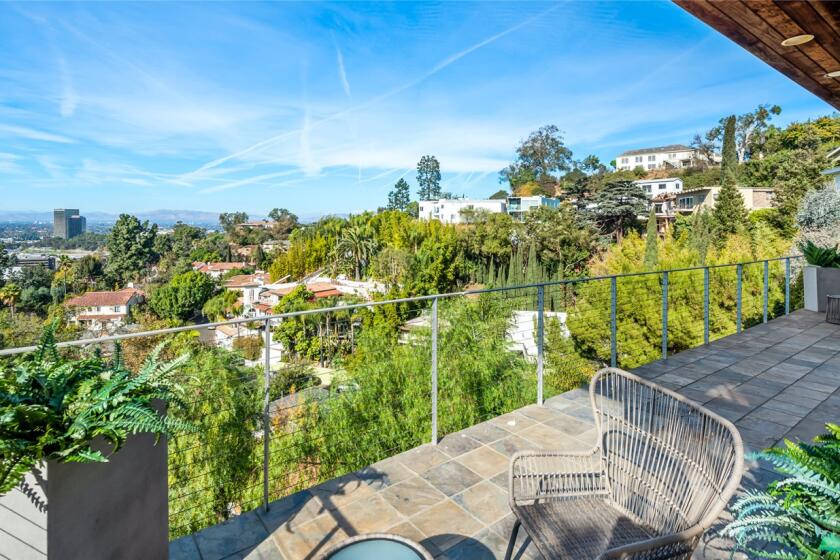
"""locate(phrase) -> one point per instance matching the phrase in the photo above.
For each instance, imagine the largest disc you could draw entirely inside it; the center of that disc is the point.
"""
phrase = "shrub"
(820, 256)
(799, 515)
(249, 346)
(819, 209)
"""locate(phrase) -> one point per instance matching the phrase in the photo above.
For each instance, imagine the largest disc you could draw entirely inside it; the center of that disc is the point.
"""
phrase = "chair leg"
(512, 542)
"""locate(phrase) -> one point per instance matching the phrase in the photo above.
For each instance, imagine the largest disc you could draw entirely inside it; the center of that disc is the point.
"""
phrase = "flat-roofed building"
(68, 223)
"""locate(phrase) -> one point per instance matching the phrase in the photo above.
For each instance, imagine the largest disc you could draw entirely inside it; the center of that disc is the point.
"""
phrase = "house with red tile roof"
(103, 310)
(217, 269)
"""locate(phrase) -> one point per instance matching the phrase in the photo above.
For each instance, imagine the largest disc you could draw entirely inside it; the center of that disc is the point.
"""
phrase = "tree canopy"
(130, 248)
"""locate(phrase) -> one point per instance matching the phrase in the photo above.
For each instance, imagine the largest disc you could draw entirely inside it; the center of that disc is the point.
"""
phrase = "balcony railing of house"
(312, 394)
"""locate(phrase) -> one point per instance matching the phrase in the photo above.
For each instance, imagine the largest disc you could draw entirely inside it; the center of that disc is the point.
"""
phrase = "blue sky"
(320, 108)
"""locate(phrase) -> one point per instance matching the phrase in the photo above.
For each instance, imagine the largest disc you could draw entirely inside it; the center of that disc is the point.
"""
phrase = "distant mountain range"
(160, 217)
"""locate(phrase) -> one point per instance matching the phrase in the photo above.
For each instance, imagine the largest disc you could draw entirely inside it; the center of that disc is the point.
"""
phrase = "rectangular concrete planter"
(819, 284)
(117, 509)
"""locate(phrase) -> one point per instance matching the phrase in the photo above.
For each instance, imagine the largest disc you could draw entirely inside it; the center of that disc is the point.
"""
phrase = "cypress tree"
(729, 212)
(533, 265)
(651, 242)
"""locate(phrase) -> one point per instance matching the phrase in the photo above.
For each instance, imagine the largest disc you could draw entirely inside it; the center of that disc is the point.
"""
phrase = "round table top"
(377, 546)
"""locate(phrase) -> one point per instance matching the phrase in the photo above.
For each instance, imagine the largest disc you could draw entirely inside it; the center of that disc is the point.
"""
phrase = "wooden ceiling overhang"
(760, 26)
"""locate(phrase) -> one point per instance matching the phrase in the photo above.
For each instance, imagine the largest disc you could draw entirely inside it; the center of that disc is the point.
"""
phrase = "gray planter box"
(117, 509)
(819, 284)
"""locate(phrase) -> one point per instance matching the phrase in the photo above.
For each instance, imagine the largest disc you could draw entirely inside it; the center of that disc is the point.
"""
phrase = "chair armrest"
(534, 475)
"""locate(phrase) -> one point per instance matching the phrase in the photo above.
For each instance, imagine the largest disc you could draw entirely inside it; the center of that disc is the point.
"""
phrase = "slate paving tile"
(423, 458)
(446, 524)
(773, 416)
(183, 548)
(311, 538)
(488, 432)
(232, 536)
(486, 501)
(384, 473)
(412, 496)
(451, 478)
(485, 461)
(457, 444)
(512, 444)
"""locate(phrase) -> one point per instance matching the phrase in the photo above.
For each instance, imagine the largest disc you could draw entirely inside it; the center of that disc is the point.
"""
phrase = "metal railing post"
(787, 286)
(766, 287)
(613, 325)
(540, 341)
(434, 371)
(706, 305)
(266, 417)
(665, 315)
(740, 271)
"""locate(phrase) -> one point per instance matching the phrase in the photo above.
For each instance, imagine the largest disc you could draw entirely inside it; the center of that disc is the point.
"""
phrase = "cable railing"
(284, 402)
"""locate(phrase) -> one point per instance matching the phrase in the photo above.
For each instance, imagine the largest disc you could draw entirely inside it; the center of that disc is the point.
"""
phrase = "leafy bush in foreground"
(52, 407)
(799, 516)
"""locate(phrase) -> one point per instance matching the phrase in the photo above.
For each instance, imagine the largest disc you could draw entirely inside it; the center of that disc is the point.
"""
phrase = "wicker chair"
(662, 472)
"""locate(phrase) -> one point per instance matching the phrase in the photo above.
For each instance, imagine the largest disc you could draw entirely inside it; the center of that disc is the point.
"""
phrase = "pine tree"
(651, 242)
(729, 212)
(399, 197)
(428, 178)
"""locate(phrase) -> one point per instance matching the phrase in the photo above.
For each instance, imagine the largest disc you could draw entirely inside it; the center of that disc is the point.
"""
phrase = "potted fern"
(821, 275)
(799, 515)
(80, 454)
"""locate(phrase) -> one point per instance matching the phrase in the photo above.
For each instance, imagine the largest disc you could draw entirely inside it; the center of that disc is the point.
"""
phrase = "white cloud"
(32, 134)
(342, 72)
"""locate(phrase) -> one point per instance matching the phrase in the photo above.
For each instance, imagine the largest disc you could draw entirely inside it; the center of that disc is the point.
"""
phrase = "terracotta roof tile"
(98, 299)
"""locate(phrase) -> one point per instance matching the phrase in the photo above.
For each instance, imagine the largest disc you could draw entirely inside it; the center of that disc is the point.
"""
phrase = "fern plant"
(820, 256)
(799, 515)
(51, 407)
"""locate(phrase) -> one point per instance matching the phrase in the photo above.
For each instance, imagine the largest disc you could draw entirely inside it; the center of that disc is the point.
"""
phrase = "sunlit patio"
(776, 380)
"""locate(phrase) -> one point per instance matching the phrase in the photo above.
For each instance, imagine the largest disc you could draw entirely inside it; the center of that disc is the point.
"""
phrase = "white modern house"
(517, 206)
(675, 156)
(448, 211)
(655, 187)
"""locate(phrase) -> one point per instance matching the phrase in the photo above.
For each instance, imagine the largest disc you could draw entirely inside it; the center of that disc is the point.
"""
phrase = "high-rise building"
(67, 223)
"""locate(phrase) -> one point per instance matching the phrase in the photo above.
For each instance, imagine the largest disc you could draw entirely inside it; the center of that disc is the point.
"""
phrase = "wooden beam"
(741, 23)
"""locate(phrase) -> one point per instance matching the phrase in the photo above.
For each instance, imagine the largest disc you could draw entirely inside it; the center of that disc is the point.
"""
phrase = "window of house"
(672, 156)
(647, 188)
(662, 186)
(651, 158)
(638, 159)
(625, 160)
(657, 208)
(651, 166)
(678, 187)
(686, 202)
(116, 309)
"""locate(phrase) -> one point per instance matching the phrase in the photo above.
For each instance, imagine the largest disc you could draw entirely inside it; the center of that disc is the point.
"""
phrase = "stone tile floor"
(776, 380)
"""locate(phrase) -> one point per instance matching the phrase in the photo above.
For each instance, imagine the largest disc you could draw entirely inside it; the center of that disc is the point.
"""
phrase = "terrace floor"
(776, 380)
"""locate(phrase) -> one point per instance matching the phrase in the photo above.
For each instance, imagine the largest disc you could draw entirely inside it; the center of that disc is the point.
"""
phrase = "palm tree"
(358, 245)
(9, 295)
(64, 265)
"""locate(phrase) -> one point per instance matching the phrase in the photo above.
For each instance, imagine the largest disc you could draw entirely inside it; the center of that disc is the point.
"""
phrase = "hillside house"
(656, 187)
(103, 310)
(674, 156)
(216, 270)
(691, 201)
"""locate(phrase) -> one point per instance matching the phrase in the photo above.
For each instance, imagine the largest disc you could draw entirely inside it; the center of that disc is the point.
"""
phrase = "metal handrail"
(320, 310)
